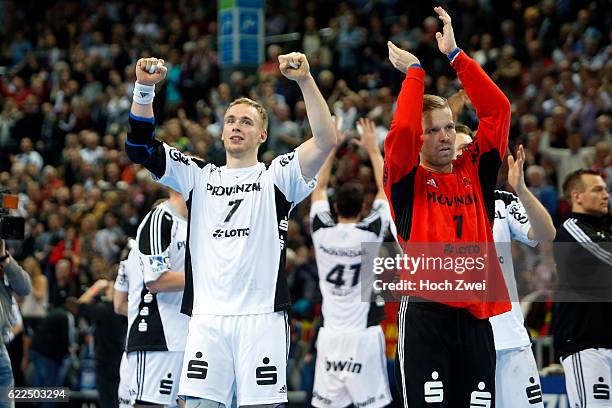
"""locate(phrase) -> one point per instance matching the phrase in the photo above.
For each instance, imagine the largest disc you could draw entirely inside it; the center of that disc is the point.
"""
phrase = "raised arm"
(542, 227)
(320, 191)
(492, 106)
(166, 163)
(314, 151)
(403, 143)
(141, 145)
(369, 144)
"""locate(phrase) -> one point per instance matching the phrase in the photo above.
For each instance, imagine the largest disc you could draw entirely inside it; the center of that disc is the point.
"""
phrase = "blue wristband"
(453, 54)
(141, 119)
(415, 66)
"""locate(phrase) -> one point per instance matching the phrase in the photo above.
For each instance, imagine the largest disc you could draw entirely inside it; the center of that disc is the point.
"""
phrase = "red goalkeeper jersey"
(451, 207)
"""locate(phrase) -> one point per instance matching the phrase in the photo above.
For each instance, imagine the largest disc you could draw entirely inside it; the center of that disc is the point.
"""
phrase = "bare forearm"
(121, 308)
(377, 168)
(326, 168)
(542, 227)
(142, 111)
(319, 116)
(169, 281)
(120, 302)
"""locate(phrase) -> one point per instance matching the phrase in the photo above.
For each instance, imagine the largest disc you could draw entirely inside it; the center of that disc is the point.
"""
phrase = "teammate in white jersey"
(235, 288)
(524, 219)
(156, 328)
(351, 363)
(120, 304)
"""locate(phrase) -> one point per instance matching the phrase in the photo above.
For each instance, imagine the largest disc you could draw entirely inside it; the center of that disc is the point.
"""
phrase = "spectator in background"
(285, 134)
(51, 344)
(539, 186)
(109, 338)
(567, 160)
(92, 152)
(108, 241)
(63, 286)
(35, 304)
(602, 162)
(28, 156)
(350, 40)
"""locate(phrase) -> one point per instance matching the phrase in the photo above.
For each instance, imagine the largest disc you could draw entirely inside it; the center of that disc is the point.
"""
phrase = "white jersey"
(339, 251)
(511, 223)
(238, 222)
(154, 320)
(121, 281)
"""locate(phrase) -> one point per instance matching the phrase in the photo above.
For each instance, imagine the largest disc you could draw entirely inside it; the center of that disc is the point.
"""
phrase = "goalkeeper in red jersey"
(446, 353)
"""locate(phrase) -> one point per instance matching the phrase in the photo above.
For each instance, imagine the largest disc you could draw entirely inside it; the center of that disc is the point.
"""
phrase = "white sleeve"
(288, 178)
(319, 207)
(180, 171)
(519, 224)
(378, 219)
(320, 216)
(155, 265)
(121, 282)
(382, 206)
(154, 242)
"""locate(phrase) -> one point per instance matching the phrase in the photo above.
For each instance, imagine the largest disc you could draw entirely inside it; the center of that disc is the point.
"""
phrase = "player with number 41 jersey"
(351, 362)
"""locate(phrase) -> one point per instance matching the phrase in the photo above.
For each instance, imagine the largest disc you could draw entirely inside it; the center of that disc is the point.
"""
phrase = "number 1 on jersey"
(459, 221)
(234, 204)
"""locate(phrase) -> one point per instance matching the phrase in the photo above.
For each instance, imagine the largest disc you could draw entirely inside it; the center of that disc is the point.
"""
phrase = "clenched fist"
(294, 66)
(150, 71)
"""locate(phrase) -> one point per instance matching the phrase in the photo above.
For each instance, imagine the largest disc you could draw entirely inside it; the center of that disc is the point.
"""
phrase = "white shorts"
(517, 380)
(154, 376)
(123, 392)
(351, 367)
(248, 352)
(588, 378)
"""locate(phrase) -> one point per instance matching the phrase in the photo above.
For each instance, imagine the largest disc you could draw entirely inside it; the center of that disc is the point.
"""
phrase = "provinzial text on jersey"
(238, 188)
(342, 251)
(443, 199)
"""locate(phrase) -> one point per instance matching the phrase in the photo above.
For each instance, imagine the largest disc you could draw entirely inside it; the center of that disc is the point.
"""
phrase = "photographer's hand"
(4, 256)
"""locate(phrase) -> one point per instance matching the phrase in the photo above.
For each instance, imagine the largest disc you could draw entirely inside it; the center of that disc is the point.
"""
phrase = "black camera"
(10, 227)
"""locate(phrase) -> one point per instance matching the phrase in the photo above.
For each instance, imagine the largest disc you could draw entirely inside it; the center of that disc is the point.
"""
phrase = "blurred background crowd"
(66, 80)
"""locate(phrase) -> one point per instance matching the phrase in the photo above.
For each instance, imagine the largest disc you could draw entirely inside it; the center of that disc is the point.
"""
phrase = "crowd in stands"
(67, 76)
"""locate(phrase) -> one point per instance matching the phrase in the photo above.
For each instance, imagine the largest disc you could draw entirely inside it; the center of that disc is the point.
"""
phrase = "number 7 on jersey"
(234, 204)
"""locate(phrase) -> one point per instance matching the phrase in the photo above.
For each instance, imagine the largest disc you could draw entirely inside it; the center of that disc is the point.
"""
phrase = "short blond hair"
(433, 102)
(263, 115)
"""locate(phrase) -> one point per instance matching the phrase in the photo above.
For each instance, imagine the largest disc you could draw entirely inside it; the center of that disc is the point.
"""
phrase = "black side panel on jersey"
(506, 197)
(372, 223)
(281, 294)
(376, 314)
(147, 331)
(324, 220)
(156, 234)
(199, 162)
(488, 167)
(402, 197)
(187, 302)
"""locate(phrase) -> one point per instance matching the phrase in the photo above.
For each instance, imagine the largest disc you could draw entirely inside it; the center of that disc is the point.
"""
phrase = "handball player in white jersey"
(235, 285)
(351, 365)
(120, 304)
(523, 219)
(156, 328)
